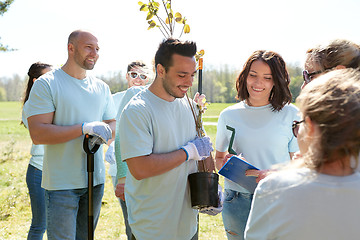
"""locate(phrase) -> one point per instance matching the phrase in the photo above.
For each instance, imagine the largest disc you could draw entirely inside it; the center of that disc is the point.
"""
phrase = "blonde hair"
(336, 52)
(332, 102)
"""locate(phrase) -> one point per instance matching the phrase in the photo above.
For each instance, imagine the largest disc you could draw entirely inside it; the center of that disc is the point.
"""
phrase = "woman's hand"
(259, 174)
(221, 158)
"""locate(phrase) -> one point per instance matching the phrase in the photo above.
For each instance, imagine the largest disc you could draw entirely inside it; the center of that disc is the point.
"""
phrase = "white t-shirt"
(303, 204)
(159, 207)
(74, 101)
(263, 136)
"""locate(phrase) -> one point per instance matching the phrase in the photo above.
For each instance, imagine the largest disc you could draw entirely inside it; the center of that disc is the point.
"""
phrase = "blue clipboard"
(235, 168)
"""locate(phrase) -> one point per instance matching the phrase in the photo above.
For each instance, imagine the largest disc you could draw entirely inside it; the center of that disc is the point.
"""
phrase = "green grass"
(15, 212)
(214, 109)
(10, 110)
(210, 119)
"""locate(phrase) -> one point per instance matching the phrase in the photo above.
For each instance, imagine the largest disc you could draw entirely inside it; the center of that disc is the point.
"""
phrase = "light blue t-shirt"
(122, 168)
(74, 101)
(36, 151)
(117, 97)
(158, 207)
(263, 136)
(300, 203)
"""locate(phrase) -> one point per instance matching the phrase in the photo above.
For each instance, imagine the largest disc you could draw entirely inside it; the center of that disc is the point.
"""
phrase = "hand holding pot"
(198, 149)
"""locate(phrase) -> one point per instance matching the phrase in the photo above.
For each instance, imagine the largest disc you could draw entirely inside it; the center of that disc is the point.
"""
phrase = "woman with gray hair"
(336, 54)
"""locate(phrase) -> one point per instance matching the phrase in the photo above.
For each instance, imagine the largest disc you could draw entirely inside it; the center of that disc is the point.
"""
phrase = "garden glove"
(110, 154)
(198, 149)
(97, 129)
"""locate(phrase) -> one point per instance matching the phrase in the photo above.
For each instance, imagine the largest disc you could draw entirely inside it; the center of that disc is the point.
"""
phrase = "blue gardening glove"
(97, 129)
(110, 154)
(213, 210)
(198, 149)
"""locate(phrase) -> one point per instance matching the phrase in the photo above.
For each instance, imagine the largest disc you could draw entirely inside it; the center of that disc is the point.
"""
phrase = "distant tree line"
(218, 84)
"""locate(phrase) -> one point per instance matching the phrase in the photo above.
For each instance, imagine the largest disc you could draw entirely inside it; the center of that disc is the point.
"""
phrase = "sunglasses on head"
(295, 127)
(308, 76)
(134, 75)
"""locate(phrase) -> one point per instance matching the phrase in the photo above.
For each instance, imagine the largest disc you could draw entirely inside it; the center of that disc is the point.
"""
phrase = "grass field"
(15, 213)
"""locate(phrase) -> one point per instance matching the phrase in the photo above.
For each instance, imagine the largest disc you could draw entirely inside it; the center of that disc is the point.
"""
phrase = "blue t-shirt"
(73, 101)
(263, 136)
(122, 168)
(36, 151)
(159, 207)
(117, 97)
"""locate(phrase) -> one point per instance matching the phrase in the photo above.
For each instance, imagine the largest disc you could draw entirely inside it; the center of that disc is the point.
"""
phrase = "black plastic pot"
(204, 189)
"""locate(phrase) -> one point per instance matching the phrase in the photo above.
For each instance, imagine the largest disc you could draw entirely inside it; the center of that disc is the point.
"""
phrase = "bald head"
(83, 50)
(77, 34)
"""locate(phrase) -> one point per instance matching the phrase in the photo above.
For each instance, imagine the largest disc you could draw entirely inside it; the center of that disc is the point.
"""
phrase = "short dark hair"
(280, 95)
(74, 35)
(135, 64)
(170, 47)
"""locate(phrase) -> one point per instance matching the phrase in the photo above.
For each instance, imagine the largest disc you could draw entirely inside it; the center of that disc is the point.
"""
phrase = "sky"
(228, 30)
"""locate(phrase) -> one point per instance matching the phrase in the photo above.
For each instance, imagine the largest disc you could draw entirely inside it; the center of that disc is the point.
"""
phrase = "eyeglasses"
(295, 127)
(308, 76)
(134, 75)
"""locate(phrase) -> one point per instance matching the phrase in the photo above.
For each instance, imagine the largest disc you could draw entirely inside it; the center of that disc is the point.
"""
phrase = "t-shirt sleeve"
(123, 101)
(222, 138)
(24, 117)
(40, 99)
(110, 111)
(135, 135)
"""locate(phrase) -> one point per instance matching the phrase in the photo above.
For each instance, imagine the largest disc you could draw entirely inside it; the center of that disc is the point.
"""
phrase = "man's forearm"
(46, 133)
(155, 164)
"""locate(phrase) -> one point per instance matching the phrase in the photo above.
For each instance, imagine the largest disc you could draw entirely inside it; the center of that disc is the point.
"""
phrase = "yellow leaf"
(168, 5)
(152, 24)
(149, 16)
(178, 15)
(156, 4)
(178, 20)
(167, 21)
(186, 28)
(140, 3)
(144, 8)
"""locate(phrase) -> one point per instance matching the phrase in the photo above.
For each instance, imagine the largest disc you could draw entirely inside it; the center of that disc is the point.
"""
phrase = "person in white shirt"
(261, 125)
(316, 196)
